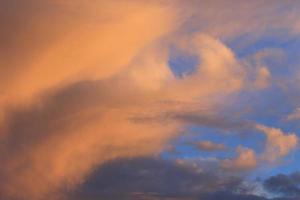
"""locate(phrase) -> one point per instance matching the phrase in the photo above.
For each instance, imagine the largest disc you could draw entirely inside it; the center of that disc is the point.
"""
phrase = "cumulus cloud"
(278, 144)
(245, 160)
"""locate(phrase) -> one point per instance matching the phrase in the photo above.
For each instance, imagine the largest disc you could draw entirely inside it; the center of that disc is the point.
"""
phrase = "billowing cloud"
(245, 160)
(278, 143)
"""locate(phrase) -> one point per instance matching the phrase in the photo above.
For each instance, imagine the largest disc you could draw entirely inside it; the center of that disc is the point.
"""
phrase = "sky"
(149, 100)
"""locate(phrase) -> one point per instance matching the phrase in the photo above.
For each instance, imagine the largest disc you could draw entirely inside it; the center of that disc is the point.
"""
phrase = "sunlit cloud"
(278, 143)
(245, 160)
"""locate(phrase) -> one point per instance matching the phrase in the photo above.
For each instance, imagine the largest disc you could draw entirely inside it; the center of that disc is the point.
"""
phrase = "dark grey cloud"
(158, 179)
(230, 196)
(154, 178)
(154, 175)
(286, 185)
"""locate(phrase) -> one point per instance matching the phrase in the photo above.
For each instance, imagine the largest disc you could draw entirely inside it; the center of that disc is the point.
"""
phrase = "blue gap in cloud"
(181, 63)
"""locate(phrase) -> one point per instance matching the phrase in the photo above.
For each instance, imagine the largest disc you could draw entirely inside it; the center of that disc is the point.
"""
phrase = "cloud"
(70, 133)
(294, 115)
(88, 122)
(219, 72)
(84, 44)
(152, 177)
(262, 79)
(226, 25)
(61, 114)
(278, 143)
(213, 119)
(210, 146)
(60, 134)
(245, 160)
(286, 185)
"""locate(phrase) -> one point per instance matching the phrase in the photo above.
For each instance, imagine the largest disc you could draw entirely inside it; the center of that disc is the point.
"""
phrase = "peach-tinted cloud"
(99, 41)
(294, 115)
(58, 121)
(70, 131)
(210, 146)
(278, 143)
(263, 78)
(65, 136)
(219, 73)
(245, 160)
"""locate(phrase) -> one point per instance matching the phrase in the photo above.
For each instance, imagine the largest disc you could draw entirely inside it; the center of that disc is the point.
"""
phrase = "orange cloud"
(278, 143)
(210, 146)
(61, 113)
(245, 160)
(97, 42)
(263, 78)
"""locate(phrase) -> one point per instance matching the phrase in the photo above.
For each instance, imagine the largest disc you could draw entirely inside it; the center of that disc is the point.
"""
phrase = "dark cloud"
(287, 185)
(230, 196)
(158, 179)
(153, 175)
(154, 178)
